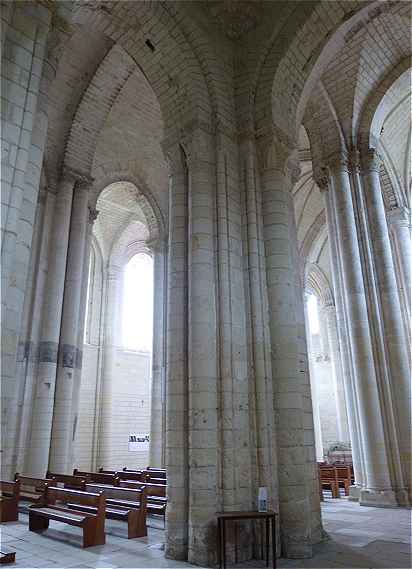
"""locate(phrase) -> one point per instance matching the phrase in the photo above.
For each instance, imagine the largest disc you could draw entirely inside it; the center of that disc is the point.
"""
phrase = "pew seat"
(67, 481)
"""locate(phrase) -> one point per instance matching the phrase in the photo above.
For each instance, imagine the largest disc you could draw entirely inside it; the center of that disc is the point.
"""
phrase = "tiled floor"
(358, 537)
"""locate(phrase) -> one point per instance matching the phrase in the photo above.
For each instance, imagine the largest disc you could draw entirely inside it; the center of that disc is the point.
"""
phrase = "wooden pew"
(329, 479)
(32, 489)
(92, 523)
(134, 476)
(128, 504)
(67, 480)
(129, 474)
(155, 496)
(156, 472)
(344, 477)
(98, 477)
(104, 471)
(7, 557)
(9, 500)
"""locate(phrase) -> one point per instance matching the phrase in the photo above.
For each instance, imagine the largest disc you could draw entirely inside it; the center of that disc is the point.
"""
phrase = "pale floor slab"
(358, 537)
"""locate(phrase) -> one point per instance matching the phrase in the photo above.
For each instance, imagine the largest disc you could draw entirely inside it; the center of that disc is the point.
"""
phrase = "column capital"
(275, 154)
(93, 214)
(322, 179)
(76, 177)
(370, 160)
(338, 161)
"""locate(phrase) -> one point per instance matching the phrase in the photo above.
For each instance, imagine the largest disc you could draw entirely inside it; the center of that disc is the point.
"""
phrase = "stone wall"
(131, 394)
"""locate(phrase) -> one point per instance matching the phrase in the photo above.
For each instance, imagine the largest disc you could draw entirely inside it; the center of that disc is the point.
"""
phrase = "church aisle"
(360, 537)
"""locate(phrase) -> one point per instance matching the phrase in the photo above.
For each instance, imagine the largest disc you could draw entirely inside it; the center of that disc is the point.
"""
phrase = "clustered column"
(358, 251)
(69, 358)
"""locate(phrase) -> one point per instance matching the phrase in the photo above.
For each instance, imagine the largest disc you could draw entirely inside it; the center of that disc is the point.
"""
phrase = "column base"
(378, 498)
(354, 493)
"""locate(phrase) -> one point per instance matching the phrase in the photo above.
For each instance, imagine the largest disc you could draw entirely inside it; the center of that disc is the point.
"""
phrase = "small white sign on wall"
(138, 442)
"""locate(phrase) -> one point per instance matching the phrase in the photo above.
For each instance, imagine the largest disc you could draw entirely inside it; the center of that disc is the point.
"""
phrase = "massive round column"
(63, 429)
(38, 454)
(289, 385)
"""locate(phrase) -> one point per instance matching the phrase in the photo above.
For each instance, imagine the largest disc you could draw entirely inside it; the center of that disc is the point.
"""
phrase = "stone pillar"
(261, 365)
(177, 394)
(377, 488)
(290, 389)
(202, 350)
(25, 27)
(69, 357)
(158, 387)
(38, 456)
(329, 313)
(398, 411)
(343, 336)
(400, 232)
(110, 344)
(92, 216)
(315, 399)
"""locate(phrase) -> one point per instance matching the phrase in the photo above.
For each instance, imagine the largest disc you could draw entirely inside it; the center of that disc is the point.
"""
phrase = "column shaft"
(65, 394)
(38, 458)
(335, 356)
(289, 385)
(346, 358)
(177, 460)
(398, 394)
(158, 388)
(378, 487)
(202, 351)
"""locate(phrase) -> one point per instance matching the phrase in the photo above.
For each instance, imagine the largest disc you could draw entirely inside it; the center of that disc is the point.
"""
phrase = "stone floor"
(359, 537)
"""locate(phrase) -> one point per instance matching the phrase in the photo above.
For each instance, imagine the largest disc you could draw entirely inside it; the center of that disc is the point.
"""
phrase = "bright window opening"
(313, 314)
(137, 321)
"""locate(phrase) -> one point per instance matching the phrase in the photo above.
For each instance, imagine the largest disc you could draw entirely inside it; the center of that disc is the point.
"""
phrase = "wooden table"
(268, 517)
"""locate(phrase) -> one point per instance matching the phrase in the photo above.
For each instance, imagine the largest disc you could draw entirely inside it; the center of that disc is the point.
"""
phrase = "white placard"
(138, 442)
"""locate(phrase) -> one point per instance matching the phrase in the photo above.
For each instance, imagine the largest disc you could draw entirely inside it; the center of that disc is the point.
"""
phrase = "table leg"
(274, 541)
(224, 542)
(236, 541)
(219, 542)
(261, 538)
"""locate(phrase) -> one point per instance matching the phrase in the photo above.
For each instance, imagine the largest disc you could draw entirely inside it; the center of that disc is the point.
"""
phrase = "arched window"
(313, 314)
(137, 317)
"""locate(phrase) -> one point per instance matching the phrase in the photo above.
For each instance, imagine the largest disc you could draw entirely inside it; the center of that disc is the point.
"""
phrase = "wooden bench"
(329, 479)
(103, 471)
(67, 480)
(32, 489)
(129, 474)
(9, 501)
(98, 477)
(156, 472)
(7, 556)
(344, 477)
(128, 504)
(92, 523)
(155, 496)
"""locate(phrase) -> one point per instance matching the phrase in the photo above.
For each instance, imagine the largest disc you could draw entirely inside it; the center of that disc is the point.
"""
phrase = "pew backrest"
(98, 477)
(151, 489)
(10, 489)
(68, 481)
(32, 485)
(118, 493)
(55, 495)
